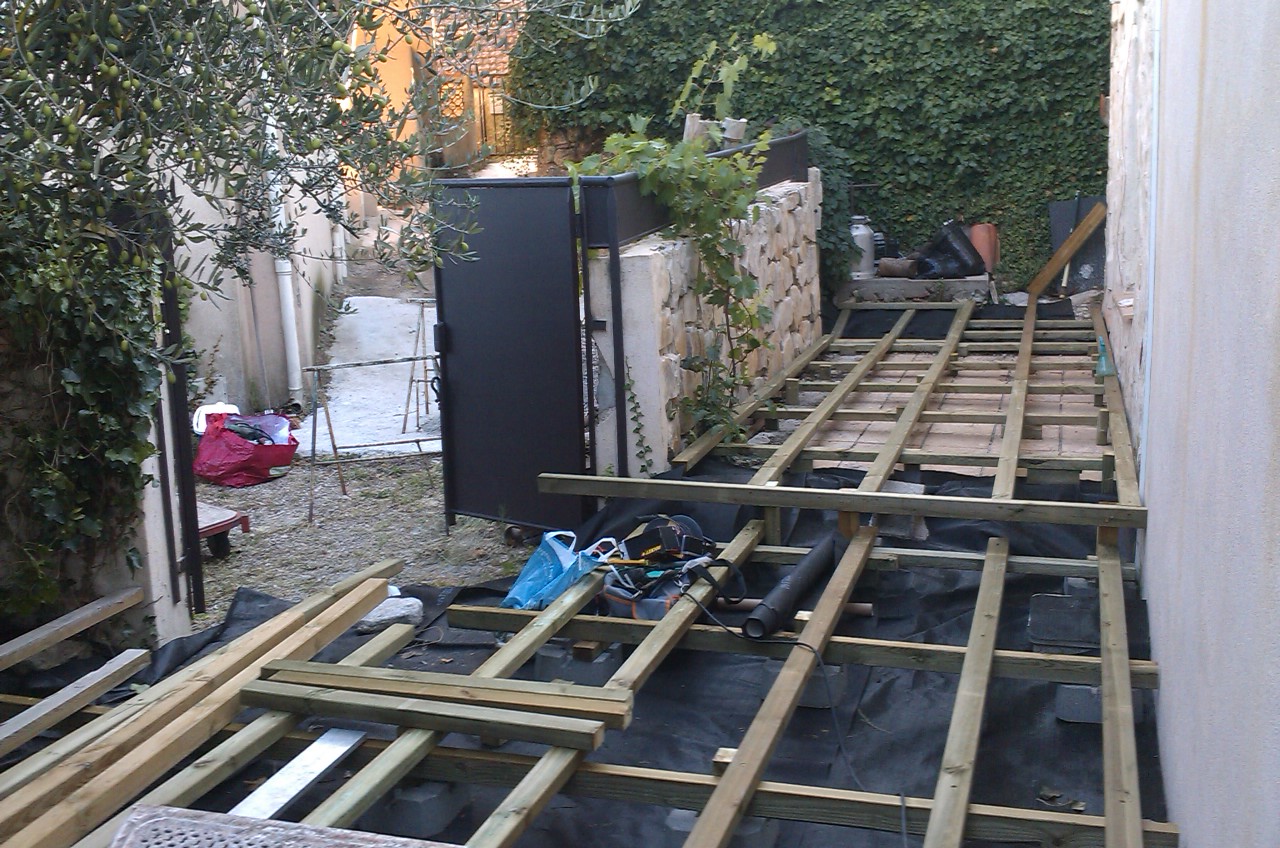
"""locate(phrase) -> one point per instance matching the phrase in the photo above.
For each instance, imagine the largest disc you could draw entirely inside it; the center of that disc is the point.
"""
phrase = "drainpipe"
(284, 275)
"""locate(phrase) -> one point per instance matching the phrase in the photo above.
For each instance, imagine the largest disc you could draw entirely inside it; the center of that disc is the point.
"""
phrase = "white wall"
(1211, 474)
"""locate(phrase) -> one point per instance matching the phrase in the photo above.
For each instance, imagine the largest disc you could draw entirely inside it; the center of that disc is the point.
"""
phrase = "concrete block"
(555, 661)
(753, 832)
(389, 612)
(417, 810)
(826, 684)
(1080, 704)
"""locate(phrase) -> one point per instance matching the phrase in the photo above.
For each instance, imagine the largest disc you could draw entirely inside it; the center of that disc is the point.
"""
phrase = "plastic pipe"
(777, 606)
(284, 276)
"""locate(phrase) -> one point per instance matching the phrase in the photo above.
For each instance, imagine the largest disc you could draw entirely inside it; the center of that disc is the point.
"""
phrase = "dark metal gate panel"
(511, 355)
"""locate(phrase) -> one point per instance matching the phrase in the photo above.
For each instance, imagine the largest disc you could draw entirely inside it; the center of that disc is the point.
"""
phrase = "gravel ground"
(393, 508)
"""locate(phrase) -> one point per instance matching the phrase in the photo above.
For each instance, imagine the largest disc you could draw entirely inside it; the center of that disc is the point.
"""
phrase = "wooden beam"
(613, 708)
(903, 387)
(149, 757)
(378, 778)
(31, 722)
(996, 362)
(884, 464)
(440, 716)
(955, 777)
(728, 802)
(46, 635)
(1127, 490)
(1019, 665)
(1066, 250)
(504, 826)
(1122, 798)
(1015, 415)
(940, 416)
(786, 453)
(886, 557)
(968, 348)
(847, 500)
(243, 746)
(906, 304)
(1058, 462)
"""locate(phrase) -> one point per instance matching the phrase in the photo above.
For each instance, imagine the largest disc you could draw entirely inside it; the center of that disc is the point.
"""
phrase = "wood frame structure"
(1005, 362)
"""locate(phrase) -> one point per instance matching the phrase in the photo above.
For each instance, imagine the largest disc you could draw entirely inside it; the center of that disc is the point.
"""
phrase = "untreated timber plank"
(847, 500)
(884, 464)
(1122, 799)
(786, 453)
(989, 388)
(1021, 665)
(968, 348)
(1126, 471)
(565, 699)
(243, 746)
(1015, 415)
(955, 777)
(943, 416)
(440, 716)
(887, 557)
(148, 759)
(377, 778)
(31, 722)
(1059, 462)
(29, 644)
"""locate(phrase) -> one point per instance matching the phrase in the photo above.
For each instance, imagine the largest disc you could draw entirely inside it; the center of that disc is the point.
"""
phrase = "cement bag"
(242, 450)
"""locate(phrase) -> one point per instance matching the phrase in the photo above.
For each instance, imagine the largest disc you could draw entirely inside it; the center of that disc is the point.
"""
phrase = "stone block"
(389, 612)
(667, 331)
(418, 810)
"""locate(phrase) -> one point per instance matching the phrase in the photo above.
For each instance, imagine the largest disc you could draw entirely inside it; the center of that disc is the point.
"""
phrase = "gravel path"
(395, 508)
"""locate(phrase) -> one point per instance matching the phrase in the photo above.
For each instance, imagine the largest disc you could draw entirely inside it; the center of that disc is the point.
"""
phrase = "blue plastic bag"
(553, 568)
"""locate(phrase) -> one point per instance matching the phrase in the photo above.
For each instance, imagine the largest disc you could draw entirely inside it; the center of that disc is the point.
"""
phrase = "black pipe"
(619, 351)
(780, 603)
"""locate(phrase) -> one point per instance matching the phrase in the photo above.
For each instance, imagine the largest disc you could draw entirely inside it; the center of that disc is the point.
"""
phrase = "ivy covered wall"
(985, 109)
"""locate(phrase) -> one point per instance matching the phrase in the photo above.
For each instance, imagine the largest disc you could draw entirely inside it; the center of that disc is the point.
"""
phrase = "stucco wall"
(663, 320)
(1129, 120)
(1211, 476)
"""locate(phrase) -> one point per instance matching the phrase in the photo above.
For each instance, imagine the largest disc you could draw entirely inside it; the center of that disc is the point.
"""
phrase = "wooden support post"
(955, 778)
(47, 635)
(773, 525)
(243, 747)
(1119, 749)
(1104, 426)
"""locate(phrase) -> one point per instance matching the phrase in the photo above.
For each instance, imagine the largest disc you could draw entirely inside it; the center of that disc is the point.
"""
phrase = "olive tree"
(121, 124)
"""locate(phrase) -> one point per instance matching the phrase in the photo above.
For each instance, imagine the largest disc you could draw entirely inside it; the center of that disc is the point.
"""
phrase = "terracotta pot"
(986, 240)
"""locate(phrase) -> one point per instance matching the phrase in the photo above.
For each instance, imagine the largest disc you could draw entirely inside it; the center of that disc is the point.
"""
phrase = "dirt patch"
(394, 508)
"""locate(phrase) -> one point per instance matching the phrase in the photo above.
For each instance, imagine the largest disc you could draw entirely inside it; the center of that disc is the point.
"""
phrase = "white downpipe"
(1157, 14)
(284, 276)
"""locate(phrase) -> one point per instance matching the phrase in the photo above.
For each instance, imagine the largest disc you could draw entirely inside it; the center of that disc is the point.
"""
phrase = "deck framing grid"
(723, 800)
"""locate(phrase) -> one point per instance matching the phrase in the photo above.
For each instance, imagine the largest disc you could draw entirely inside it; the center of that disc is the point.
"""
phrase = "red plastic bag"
(225, 458)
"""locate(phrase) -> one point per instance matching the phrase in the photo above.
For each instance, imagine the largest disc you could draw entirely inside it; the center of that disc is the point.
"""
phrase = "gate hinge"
(441, 334)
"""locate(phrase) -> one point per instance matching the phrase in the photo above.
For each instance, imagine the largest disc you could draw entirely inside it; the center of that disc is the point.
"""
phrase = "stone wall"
(663, 321)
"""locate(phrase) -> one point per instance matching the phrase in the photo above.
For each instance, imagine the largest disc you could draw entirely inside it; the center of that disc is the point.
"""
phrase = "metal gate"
(509, 337)
(517, 398)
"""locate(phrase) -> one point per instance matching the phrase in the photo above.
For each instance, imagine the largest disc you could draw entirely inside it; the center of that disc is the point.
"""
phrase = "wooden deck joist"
(900, 387)
(940, 416)
(45, 636)
(910, 456)
(887, 557)
(1021, 665)
(847, 500)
